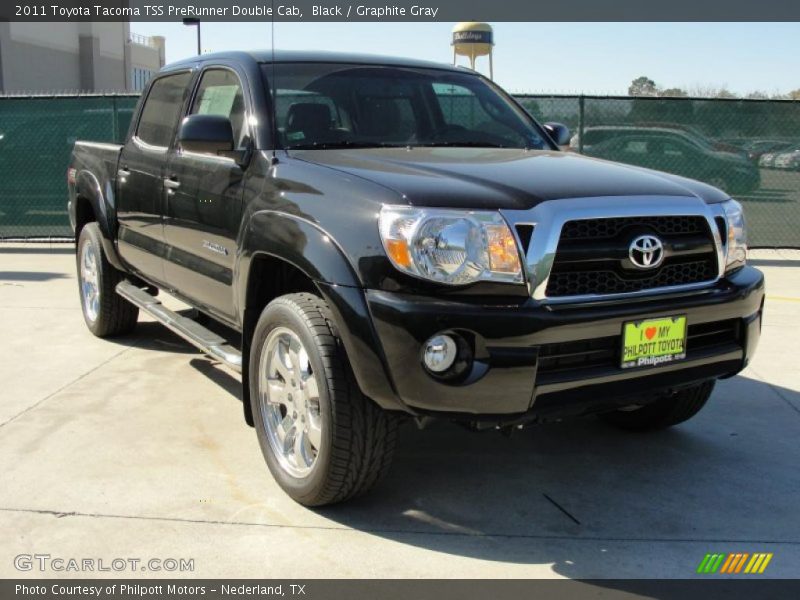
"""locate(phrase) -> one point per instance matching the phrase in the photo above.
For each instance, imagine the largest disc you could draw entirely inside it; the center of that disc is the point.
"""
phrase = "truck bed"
(98, 158)
(92, 174)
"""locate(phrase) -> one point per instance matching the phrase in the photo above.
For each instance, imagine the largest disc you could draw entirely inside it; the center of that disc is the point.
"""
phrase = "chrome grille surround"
(549, 217)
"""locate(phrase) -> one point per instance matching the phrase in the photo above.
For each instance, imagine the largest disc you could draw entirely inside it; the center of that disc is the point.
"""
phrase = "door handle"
(171, 184)
(123, 173)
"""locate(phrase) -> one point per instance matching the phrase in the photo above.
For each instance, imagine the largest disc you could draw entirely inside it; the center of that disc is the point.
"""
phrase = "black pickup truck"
(399, 240)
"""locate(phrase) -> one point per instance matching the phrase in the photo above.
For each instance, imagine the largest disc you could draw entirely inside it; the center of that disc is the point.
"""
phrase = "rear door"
(140, 185)
(203, 209)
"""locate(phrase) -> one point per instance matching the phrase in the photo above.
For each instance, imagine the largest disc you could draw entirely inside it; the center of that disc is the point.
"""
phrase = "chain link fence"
(36, 138)
(750, 148)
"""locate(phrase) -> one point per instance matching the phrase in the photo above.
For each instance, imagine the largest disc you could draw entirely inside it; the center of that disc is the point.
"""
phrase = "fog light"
(440, 353)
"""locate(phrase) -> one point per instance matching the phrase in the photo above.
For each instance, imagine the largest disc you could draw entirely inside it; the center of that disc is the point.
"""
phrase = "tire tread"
(363, 436)
(117, 316)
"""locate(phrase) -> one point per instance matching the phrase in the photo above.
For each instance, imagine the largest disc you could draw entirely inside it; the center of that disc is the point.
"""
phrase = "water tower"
(472, 40)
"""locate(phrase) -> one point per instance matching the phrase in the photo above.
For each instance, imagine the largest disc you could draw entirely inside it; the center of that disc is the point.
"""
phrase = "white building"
(70, 57)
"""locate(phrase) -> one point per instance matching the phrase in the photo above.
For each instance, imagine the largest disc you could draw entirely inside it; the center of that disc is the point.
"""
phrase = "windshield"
(323, 105)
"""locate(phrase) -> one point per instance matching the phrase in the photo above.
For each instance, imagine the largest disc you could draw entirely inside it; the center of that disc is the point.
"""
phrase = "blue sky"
(599, 58)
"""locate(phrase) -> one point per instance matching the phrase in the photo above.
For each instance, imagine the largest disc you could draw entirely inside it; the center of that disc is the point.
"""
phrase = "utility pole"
(194, 22)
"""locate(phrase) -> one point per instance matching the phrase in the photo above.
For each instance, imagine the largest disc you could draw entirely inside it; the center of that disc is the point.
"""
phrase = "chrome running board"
(204, 339)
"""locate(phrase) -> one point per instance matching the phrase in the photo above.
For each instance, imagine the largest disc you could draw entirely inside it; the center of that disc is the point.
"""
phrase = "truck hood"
(500, 178)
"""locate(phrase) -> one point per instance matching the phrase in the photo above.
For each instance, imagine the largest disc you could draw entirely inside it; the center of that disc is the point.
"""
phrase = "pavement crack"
(400, 531)
(777, 391)
(6, 307)
(561, 508)
(70, 383)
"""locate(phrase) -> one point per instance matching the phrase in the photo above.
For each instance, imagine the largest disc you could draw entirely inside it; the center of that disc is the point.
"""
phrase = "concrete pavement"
(136, 448)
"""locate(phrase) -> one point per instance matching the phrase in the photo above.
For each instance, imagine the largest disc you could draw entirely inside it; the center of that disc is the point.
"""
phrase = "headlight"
(736, 244)
(450, 246)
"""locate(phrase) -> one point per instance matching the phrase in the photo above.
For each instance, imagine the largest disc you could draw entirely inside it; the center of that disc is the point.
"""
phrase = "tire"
(664, 412)
(105, 312)
(341, 442)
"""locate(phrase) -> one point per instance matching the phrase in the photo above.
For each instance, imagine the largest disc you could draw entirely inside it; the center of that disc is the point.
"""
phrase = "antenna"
(273, 88)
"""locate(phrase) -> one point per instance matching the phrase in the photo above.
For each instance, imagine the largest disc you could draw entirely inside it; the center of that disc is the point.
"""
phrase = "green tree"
(673, 93)
(642, 86)
(533, 108)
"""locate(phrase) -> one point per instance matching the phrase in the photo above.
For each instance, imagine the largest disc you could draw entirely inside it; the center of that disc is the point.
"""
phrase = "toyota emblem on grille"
(646, 252)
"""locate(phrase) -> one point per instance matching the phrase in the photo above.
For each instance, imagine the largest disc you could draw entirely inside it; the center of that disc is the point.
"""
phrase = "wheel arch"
(298, 241)
(283, 254)
(93, 204)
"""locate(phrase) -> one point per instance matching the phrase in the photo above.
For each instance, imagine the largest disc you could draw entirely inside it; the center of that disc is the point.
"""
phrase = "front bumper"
(540, 360)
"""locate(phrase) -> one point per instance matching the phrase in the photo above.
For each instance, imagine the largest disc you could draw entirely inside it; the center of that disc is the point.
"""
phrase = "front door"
(140, 188)
(204, 198)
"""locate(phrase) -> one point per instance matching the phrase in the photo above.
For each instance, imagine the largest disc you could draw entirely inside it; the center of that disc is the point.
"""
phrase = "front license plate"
(653, 342)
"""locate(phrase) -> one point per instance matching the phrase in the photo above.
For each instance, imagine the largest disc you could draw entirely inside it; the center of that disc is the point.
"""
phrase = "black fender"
(88, 189)
(296, 240)
(314, 252)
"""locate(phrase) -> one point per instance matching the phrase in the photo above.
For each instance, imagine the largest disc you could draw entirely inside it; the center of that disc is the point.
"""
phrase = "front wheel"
(664, 412)
(323, 441)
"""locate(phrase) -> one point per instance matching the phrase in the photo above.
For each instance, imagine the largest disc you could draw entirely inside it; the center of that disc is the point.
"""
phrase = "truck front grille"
(578, 283)
(613, 226)
(592, 255)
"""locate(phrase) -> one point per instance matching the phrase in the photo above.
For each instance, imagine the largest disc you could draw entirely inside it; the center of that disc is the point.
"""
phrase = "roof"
(284, 56)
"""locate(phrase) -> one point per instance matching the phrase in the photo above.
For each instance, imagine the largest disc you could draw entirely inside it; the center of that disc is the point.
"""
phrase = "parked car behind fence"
(788, 160)
(679, 155)
(770, 159)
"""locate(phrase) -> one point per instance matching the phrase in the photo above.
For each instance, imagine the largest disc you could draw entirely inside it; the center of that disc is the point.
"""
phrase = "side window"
(636, 147)
(674, 150)
(162, 109)
(459, 106)
(220, 93)
(462, 109)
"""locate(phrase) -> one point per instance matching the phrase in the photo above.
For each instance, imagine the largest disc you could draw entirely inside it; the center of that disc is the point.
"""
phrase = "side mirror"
(206, 134)
(558, 132)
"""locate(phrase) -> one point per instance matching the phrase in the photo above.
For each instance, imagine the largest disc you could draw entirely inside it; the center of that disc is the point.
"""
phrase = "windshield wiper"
(460, 144)
(342, 144)
(357, 144)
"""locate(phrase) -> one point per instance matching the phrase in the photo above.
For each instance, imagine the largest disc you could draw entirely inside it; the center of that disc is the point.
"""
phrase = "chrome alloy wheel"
(289, 402)
(90, 284)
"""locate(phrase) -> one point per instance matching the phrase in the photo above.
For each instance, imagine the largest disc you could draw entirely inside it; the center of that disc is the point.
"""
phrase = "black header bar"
(387, 589)
(401, 10)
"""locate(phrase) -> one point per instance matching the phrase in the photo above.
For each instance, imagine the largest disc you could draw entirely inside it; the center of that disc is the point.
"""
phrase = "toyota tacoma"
(400, 240)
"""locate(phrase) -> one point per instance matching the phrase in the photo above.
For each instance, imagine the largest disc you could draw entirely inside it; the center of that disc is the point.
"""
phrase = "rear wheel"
(105, 312)
(664, 412)
(322, 439)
